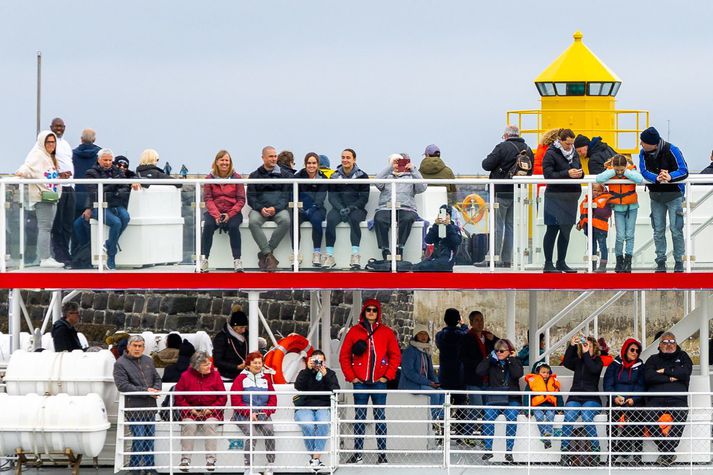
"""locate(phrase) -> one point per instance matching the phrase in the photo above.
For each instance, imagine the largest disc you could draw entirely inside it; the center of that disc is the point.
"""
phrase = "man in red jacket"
(369, 358)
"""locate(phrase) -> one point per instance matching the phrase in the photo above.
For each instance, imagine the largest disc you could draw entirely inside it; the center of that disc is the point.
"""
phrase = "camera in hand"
(317, 362)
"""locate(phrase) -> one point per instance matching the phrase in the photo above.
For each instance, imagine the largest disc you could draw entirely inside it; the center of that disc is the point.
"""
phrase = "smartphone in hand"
(401, 164)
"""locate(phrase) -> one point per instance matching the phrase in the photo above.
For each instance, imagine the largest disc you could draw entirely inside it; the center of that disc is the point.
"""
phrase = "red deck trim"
(355, 280)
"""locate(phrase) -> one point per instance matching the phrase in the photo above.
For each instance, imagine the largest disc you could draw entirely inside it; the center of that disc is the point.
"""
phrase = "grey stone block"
(178, 304)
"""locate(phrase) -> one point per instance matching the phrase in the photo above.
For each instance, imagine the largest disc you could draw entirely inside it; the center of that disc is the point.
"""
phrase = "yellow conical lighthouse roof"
(576, 64)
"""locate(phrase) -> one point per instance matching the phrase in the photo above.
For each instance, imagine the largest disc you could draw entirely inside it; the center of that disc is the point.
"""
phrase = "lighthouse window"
(615, 89)
(606, 89)
(545, 88)
(595, 88)
(569, 88)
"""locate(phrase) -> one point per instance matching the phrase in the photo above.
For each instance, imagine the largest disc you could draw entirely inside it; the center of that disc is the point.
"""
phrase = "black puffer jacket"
(677, 365)
(587, 371)
(502, 158)
(598, 152)
(152, 171)
(555, 166)
(313, 194)
(501, 374)
(269, 195)
(114, 195)
(65, 337)
(228, 353)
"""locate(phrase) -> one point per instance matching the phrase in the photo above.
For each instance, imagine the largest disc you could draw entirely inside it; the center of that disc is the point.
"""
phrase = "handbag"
(49, 196)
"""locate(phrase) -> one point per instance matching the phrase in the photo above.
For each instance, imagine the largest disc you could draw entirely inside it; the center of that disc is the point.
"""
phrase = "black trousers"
(63, 225)
(382, 225)
(210, 227)
(354, 219)
(672, 437)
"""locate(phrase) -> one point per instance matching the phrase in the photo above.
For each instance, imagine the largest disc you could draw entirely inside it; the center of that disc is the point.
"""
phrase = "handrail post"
(3, 223)
(590, 233)
(491, 226)
(100, 226)
(22, 226)
(197, 226)
(687, 236)
(295, 227)
(394, 233)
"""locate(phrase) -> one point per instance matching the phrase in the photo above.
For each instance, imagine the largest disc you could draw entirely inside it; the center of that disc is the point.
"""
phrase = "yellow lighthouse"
(577, 91)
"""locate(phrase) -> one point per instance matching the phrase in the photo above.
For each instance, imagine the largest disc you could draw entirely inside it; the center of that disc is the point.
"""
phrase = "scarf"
(568, 154)
(236, 335)
(422, 347)
(625, 364)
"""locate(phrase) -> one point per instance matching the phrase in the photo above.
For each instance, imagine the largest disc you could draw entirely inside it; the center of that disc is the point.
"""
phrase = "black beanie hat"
(452, 317)
(121, 159)
(238, 319)
(581, 141)
(651, 136)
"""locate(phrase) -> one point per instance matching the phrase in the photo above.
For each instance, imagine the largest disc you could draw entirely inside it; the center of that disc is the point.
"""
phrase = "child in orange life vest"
(600, 223)
(542, 380)
(625, 203)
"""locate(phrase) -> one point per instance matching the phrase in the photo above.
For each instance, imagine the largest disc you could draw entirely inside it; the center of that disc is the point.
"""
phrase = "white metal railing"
(526, 206)
(419, 434)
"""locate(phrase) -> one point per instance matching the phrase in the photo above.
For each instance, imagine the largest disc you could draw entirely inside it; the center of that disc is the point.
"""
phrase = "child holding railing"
(601, 212)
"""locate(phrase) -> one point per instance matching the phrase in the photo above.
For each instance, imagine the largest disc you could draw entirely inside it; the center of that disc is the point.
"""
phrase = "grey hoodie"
(405, 192)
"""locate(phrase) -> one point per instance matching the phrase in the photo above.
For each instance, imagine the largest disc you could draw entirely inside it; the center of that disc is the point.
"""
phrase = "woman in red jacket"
(369, 358)
(224, 203)
(200, 376)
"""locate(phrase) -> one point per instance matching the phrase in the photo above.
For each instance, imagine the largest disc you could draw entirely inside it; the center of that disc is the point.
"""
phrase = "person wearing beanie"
(230, 346)
(444, 237)
(122, 163)
(623, 376)
(324, 166)
(450, 372)
(433, 167)
(662, 165)
(593, 153)
(499, 163)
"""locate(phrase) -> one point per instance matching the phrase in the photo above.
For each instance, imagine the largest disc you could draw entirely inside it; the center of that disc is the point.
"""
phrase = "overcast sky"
(190, 78)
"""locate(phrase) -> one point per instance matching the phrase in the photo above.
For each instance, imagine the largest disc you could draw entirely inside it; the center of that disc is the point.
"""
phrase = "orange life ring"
(473, 208)
(292, 343)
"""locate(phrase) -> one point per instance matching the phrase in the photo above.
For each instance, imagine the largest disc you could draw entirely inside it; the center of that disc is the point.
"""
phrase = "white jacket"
(39, 164)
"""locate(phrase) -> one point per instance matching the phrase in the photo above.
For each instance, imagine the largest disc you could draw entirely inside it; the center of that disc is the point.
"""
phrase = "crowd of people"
(63, 212)
(484, 374)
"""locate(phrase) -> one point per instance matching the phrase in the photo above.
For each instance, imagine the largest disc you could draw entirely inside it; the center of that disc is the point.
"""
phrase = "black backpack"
(82, 257)
(523, 163)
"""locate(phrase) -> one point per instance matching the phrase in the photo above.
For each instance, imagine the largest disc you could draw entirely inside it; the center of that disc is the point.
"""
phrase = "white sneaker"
(268, 468)
(51, 263)
(292, 259)
(204, 264)
(237, 265)
(316, 259)
(354, 262)
(329, 262)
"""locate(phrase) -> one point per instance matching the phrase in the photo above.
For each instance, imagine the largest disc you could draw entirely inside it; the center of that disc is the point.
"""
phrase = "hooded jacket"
(598, 153)
(192, 380)
(450, 372)
(666, 157)
(255, 388)
(39, 164)
(224, 197)
(355, 194)
(621, 378)
(313, 194)
(405, 192)
(152, 171)
(114, 195)
(444, 249)
(501, 374)
(587, 370)
(173, 372)
(229, 352)
(502, 159)
(267, 195)
(677, 365)
(555, 166)
(382, 356)
(434, 167)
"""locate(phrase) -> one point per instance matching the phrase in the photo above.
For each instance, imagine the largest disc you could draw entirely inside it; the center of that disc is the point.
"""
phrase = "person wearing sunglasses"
(370, 356)
(667, 371)
(625, 375)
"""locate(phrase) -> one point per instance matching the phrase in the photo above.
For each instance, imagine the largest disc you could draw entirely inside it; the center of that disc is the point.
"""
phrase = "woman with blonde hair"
(41, 163)
(224, 204)
(148, 166)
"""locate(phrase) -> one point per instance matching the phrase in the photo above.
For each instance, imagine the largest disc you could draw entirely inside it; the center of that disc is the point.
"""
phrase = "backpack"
(82, 257)
(375, 265)
(522, 165)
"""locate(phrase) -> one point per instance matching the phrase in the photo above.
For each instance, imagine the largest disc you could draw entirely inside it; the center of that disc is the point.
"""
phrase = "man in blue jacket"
(662, 164)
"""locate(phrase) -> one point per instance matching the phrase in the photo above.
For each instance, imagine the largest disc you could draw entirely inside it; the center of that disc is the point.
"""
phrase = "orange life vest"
(623, 194)
(538, 385)
(600, 201)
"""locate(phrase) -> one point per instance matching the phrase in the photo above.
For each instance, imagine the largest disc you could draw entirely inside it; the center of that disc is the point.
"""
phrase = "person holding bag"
(502, 369)
(41, 163)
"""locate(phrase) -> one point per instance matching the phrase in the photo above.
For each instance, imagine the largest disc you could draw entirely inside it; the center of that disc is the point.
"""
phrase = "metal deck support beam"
(57, 308)
(510, 317)
(533, 337)
(13, 326)
(313, 313)
(325, 337)
(642, 315)
(253, 319)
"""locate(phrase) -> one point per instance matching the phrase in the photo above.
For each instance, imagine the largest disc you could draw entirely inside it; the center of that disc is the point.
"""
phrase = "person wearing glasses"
(116, 198)
(668, 371)
(122, 163)
(623, 376)
(370, 356)
(502, 370)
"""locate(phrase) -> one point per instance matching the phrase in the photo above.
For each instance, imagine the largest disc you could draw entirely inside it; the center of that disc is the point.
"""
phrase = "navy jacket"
(444, 249)
(622, 381)
(64, 336)
(666, 157)
(355, 195)
(677, 364)
(114, 195)
(268, 195)
(411, 361)
(555, 166)
(451, 368)
(313, 194)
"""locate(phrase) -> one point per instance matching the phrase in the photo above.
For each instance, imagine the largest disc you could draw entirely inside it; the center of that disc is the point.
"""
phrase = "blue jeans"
(570, 416)
(599, 240)
(544, 415)
(489, 428)
(437, 400)
(473, 414)
(315, 427)
(139, 445)
(116, 218)
(674, 210)
(362, 399)
(625, 222)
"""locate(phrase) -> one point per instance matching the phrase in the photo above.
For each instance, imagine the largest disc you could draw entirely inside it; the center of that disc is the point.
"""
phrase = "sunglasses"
(122, 165)
(502, 351)
(634, 350)
(371, 309)
(668, 342)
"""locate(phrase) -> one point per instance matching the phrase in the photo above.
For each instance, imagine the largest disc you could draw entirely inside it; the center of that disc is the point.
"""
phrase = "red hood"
(370, 303)
(626, 345)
